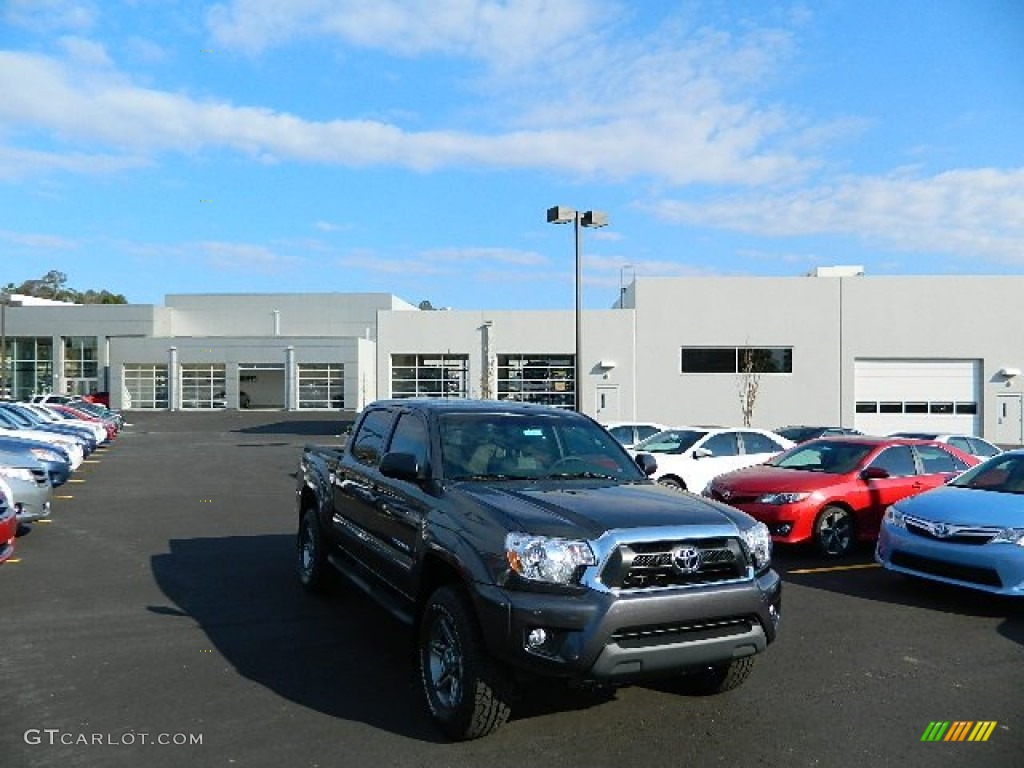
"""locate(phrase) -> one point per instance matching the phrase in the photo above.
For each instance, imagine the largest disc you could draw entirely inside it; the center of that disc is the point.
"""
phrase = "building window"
(939, 407)
(81, 364)
(867, 407)
(736, 359)
(437, 375)
(29, 366)
(321, 385)
(145, 385)
(550, 380)
(202, 385)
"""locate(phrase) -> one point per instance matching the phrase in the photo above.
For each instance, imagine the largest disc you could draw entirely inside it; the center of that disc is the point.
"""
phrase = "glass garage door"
(202, 386)
(321, 385)
(145, 386)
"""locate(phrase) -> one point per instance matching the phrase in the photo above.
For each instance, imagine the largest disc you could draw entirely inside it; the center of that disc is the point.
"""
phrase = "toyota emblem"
(686, 559)
(941, 530)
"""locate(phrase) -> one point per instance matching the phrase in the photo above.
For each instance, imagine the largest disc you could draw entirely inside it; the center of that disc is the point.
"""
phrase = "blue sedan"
(969, 532)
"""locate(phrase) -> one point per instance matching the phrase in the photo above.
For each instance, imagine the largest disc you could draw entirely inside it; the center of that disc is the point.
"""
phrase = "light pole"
(562, 215)
(5, 299)
(622, 285)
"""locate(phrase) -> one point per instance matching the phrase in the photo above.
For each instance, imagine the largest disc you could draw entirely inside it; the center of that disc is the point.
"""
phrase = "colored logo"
(959, 730)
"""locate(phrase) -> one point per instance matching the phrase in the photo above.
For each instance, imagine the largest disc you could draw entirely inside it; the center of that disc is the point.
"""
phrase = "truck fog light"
(536, 638)
(774, 614)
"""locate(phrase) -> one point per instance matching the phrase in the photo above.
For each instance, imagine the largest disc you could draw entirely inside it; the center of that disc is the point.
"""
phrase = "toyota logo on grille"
(941, 530)
(686, 559)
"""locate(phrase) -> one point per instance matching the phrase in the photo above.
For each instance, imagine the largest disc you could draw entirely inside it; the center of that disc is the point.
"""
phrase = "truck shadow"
(339, 654)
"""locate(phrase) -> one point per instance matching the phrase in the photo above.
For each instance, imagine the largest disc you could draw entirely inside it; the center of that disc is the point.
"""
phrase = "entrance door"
(607, 404)
(1009, 420)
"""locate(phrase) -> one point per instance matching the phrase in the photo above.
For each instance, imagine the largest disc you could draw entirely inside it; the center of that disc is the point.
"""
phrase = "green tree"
(54, 285)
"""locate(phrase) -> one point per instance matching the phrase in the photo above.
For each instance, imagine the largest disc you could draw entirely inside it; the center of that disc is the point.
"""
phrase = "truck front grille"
(674, 563)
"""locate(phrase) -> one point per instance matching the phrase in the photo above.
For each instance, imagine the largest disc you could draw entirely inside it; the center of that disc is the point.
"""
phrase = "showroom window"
(736, 359)
(81, 364)
(437, 375)
(321, 385)
(546, 379)
(29, 366)
(145, 385)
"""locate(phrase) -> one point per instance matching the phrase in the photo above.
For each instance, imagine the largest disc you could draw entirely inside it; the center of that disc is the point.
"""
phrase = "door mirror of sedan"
(402, 466)
(874, 473)
(701, 453)
(647, 463)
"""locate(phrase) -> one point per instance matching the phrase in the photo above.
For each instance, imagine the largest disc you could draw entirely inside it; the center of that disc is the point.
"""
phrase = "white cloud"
(244, 256)
(500, 32)
(35, 240)
(483, 256)
(970, 212)
(50, 15)
(17, 164)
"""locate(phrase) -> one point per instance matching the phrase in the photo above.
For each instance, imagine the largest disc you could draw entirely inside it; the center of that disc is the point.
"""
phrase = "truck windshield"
(530, 446)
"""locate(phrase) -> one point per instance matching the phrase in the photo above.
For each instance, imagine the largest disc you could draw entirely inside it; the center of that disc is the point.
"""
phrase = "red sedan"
(834, 491)
(8, 523)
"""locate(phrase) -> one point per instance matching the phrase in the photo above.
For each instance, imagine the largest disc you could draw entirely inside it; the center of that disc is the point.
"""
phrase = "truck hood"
(587, 509)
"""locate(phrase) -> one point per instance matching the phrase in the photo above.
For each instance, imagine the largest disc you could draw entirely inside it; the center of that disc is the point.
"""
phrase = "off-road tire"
(466, 692)
(718, 678)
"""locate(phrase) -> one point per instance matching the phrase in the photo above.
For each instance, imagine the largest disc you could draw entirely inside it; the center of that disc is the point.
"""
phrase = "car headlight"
(1009, 536)
(759, 544)
(782, 498)
(539, 558)
(16, 473)
(45, 455)
(894, 518)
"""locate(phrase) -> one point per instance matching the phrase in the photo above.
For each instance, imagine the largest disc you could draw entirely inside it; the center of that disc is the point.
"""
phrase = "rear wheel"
(315, 571)
(718, 678)
(466, 692)
(833, 531)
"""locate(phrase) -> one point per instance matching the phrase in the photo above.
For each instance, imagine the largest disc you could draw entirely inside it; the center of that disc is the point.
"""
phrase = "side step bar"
(391, 602)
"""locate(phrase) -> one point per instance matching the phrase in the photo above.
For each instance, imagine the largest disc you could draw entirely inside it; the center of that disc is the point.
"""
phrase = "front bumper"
(995, 568)
(608, 637)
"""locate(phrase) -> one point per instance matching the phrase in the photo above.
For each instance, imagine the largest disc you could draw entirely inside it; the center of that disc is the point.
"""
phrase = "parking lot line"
(76, 480)
(858, 566)
(68, 496)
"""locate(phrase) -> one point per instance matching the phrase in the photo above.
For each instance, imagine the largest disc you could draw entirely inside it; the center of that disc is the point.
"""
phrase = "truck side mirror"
(402, 466)
(647, 463)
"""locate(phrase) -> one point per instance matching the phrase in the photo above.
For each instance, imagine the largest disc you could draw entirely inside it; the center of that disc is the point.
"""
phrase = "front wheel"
(833, 531)
(718, 678)
(466, 692)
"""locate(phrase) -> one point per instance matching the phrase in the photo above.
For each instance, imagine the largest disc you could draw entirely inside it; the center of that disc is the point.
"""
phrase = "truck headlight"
(759, 544)
(539, 558)
(782, 498)
(1009, 536)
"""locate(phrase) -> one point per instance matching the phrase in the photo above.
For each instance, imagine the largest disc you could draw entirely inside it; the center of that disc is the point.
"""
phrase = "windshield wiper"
(585, 475)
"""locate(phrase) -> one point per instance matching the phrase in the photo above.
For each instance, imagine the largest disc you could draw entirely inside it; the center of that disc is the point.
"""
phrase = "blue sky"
(151, 147)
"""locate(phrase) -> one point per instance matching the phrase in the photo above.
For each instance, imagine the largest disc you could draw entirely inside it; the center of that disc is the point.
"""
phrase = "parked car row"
(41, 445)
(937, 506)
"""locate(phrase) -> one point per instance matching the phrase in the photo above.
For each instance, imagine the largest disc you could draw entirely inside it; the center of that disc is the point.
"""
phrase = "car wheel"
(315, 571)
(833, 531)
(718, 678)
(466, 692)
(671, 482)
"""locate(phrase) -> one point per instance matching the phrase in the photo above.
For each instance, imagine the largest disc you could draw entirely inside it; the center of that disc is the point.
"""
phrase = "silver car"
(28, 490)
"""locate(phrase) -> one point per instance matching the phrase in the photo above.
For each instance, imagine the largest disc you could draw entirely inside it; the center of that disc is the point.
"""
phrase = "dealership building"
(833, 347)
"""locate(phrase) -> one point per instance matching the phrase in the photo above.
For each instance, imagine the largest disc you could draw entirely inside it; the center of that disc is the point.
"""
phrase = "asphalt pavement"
(156, 620)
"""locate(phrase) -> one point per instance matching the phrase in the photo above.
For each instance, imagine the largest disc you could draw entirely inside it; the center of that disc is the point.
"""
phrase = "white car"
(690, 457)
(629, 433)
(970, 444)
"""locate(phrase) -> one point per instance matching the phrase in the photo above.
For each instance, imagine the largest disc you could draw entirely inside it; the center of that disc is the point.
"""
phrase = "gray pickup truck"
(523, 542)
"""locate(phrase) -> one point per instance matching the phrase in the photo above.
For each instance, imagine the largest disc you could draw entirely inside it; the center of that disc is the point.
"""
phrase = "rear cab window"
(367, 443)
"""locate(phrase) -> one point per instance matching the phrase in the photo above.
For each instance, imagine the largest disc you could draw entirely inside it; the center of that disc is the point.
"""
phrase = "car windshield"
(1002, 474)
(916, 435)
(670, 441)
(831, 457)
(798, 434)
(530, 447)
